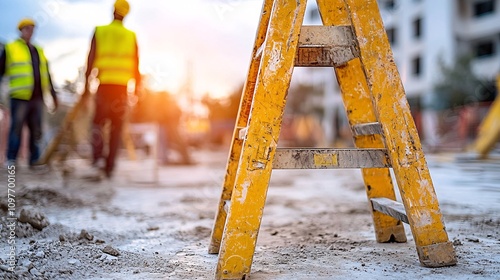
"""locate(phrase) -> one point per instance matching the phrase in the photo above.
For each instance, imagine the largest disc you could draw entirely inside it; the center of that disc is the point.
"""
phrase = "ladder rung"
(390, 207)
(323, 56)
(367, 129)
(325, 46)
(289, 158)
(319, 35)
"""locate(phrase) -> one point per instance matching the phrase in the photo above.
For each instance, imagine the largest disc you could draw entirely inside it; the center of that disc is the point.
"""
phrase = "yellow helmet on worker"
(25, 22)
(122, 7)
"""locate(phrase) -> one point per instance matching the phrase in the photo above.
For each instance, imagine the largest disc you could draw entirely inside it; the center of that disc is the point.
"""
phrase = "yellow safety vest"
(19, 68)
(116, 54)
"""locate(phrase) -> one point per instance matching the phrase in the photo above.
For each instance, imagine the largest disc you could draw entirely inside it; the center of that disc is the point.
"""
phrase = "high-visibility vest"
(116, 53)
(19, 68)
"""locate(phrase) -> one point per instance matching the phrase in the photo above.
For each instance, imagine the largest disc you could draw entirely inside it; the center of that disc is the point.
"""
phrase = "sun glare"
(214, 37)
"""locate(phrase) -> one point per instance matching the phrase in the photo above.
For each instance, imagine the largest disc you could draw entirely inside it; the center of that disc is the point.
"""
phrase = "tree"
(461, 86)
(223, 109)
(302, 99)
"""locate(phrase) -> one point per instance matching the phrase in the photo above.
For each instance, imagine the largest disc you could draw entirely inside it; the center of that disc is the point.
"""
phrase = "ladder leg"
(68, 120)
(358, 104)
(241, 122)
(403, 144)
(489, 130)
(254, 171)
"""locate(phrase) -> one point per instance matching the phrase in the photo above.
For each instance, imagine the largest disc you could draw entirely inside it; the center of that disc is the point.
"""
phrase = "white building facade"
(423, 33)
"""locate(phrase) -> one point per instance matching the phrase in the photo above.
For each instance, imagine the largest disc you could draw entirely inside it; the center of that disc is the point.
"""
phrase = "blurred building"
(422, 33)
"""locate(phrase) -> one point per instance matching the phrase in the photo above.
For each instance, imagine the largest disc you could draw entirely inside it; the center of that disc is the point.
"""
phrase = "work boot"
(99, 163)
(94, 174)
(9, 163)
(108, 173)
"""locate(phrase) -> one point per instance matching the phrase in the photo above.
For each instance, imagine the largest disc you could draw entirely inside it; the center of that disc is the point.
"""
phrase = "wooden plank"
(319, 35)
(390, 207)
(325, 46)
(367, 129)
(314, 57)
(323, 56)
(330, 158)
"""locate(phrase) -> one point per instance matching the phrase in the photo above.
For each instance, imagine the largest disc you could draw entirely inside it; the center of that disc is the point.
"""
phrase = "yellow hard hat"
(122, 7)
(25, 22)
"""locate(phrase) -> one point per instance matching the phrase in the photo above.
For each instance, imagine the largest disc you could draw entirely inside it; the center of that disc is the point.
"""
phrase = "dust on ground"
(150, 223)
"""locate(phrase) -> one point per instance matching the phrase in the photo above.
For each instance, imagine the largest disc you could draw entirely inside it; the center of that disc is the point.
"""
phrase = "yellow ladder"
(354, 42)
(489, 130)
(68, 120)
(64, 129)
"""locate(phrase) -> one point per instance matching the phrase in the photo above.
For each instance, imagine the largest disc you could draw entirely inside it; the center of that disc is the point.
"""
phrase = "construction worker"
(114, 53)
(27, 68)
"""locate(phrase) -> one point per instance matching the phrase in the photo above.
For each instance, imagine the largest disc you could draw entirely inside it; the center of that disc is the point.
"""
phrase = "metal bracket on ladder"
(352, 41)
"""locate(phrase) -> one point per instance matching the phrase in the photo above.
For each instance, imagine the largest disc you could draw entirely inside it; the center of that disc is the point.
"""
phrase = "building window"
(484, 49)
(391, 35)
(314, 15)
(484, 7)
(416, 65)
(417, 28)
(390, 4)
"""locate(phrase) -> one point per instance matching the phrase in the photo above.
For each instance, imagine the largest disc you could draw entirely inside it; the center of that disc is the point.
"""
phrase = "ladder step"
(325, 46)
(319, 35)
(291, 158)
(390, 207)
(322, 56)
(366, 129)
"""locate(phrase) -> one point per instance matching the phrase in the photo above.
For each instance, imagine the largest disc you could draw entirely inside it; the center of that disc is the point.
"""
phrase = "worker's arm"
(52, 90)
(90, 64)
(3, 58)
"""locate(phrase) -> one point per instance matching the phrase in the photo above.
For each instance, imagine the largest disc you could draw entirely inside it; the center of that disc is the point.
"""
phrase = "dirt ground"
(316, 224)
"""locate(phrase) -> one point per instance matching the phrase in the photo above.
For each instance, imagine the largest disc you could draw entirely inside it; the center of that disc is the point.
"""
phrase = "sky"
(211, 39)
